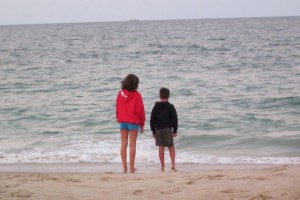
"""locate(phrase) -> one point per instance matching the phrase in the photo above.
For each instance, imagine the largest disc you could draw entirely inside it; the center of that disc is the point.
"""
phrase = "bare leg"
(172, 156)
(132, 143)
(162, 157)
(123, 150)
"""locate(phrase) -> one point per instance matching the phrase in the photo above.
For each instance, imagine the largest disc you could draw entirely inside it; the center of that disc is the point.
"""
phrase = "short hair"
(130, 82)
(164, 93)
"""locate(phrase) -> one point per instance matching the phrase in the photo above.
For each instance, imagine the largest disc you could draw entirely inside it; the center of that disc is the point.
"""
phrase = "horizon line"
(142, 20)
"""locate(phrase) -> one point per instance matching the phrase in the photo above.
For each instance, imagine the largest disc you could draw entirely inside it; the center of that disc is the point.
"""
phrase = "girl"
(130, 114)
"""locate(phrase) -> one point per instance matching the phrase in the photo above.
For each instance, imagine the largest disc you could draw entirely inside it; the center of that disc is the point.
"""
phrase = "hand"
(174, 134)
(141, 130)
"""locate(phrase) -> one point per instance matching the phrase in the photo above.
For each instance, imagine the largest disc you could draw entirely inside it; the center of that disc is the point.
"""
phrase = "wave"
(285, 102)
(56, 147)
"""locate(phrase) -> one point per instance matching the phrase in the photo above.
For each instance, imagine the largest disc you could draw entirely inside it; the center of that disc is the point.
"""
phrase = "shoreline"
(191, 181)
(113, 168)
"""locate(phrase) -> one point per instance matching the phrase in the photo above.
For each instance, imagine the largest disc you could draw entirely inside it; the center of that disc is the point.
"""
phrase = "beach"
(191, 181)
(234, 83)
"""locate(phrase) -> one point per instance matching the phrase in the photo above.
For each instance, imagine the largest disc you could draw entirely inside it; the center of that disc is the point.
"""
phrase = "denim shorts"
(128, 126)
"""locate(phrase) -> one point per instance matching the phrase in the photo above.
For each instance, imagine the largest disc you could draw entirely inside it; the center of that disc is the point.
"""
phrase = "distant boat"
(134, 20)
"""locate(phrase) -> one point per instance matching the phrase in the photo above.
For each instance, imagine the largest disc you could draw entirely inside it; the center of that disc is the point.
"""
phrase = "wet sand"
(191, 181)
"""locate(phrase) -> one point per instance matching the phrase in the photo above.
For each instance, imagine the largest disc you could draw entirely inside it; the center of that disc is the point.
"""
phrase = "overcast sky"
(64, 11)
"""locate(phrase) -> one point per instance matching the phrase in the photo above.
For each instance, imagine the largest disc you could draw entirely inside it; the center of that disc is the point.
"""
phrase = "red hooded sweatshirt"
(130, 108)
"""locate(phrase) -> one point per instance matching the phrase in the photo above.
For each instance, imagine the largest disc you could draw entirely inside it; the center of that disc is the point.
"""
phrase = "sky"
(69, 11)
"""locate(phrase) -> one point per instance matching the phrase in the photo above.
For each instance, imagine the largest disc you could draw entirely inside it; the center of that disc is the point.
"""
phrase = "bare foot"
(162, 168)
(173, 169)
(133, 170)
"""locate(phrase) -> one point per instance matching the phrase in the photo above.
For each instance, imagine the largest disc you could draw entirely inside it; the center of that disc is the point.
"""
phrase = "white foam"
(106, 148)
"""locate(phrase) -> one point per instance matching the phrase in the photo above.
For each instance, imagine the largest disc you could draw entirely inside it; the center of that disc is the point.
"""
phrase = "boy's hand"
(174, 134)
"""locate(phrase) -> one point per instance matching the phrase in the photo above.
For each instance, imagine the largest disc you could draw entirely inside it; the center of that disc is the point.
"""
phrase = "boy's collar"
(164, 100)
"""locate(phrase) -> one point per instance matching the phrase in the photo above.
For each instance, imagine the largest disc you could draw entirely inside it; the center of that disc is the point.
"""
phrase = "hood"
(162, 105)
(126, 95)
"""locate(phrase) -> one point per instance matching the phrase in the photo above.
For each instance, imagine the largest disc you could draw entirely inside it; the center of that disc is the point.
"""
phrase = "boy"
(164, 125)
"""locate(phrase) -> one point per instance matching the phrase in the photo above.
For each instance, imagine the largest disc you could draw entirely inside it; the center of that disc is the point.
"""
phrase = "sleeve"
(174, 119)
(141, 111)
(152, 120)
(117, 105)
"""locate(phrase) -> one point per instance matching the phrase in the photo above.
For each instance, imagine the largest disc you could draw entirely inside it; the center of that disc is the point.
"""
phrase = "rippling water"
(234, 82)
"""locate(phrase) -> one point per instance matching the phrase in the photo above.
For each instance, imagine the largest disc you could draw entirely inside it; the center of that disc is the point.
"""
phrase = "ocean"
(234, 82)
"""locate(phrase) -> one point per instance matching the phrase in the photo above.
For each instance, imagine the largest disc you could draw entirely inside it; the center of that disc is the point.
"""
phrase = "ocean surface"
(234, 82)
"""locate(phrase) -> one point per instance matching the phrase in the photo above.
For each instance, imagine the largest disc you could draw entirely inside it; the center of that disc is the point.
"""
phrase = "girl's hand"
(174, 134)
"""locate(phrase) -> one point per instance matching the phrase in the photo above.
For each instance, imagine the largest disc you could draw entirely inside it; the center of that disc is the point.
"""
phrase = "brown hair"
(130, 82)
(164, 93)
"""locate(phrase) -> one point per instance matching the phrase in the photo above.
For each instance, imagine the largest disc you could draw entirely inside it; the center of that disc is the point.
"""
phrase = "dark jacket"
(163, 115)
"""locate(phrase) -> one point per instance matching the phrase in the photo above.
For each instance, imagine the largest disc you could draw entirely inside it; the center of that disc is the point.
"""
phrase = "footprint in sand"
(174, 190)
(261, 178)
(73, 180)
(276, 169)
(191, 182)
(55, 179)
(138, 192)
(242, 178)
(262, 197)
(215, 177)
(228, 191)
(11, 186)
(105, 179)
(21, 193)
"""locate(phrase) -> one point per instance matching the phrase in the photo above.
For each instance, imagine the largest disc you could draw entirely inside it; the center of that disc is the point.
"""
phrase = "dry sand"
(217, 182)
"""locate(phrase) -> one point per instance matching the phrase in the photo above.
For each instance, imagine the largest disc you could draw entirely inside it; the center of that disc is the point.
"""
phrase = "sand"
(251, 182)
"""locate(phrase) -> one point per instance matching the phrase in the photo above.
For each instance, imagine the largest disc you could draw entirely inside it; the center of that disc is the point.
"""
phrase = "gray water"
(234, 83)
